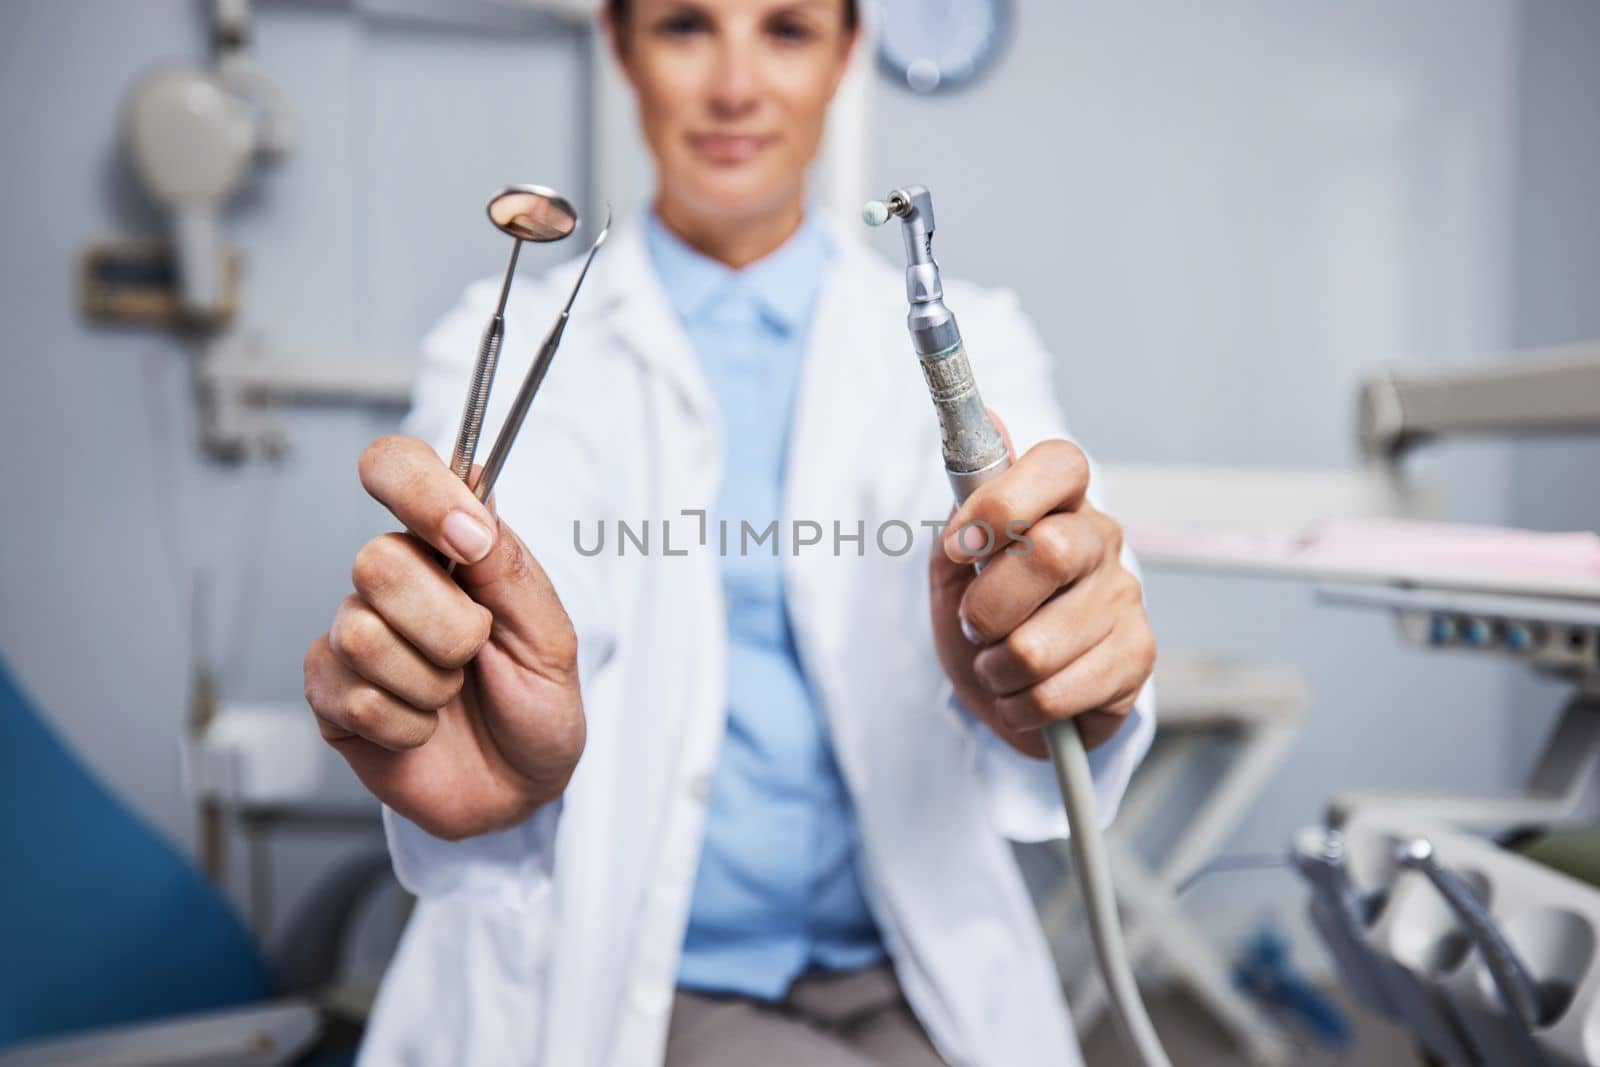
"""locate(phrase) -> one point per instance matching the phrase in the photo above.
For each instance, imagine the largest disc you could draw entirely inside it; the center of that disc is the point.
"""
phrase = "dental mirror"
(533, 213)
(527, 213)
(531, 383)
(535, 376)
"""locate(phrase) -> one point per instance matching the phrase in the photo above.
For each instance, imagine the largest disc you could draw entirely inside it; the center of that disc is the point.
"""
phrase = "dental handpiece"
(1322, 858)
(974, 451)
(1517, 987)
(1319, 855)
(974, 454)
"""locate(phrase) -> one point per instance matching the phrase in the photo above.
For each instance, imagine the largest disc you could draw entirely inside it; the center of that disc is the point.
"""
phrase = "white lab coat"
(557, 942)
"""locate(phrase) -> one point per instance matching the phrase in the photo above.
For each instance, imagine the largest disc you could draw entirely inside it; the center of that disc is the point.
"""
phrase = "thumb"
(530, 621)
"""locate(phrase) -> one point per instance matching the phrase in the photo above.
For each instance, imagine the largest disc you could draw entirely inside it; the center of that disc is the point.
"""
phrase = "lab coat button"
(700, 787)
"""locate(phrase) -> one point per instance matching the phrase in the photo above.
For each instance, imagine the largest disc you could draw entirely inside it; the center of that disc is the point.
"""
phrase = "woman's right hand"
(455, 701)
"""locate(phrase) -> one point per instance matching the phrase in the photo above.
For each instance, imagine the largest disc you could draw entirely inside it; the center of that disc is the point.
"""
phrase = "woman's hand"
(456, 702)
(1054, 626)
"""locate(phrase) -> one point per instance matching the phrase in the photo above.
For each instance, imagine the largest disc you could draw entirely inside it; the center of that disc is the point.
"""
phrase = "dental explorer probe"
(530, 384)
(526, 213)
(535, 377)
(975, 454)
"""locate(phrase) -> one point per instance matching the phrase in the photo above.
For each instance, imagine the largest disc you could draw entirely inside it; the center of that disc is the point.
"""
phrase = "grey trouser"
(848, 1019)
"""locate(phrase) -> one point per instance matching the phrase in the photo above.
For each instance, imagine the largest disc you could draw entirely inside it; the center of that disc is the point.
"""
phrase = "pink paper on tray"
(1388, 542)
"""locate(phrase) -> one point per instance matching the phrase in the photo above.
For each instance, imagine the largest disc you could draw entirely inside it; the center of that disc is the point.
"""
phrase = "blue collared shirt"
(778, 890)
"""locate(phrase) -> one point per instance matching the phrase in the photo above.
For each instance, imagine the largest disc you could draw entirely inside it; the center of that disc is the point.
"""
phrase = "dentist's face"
(732, 96)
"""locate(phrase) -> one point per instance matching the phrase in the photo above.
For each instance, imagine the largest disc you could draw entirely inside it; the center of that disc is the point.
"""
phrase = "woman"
(803, 739)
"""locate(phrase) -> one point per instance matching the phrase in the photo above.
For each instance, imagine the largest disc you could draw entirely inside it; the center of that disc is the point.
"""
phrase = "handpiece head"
(974, 451)
(933, 327)
(914, 204)
(1416, 852)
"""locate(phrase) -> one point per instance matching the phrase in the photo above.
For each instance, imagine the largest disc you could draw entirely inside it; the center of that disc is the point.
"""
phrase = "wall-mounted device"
(192, 134)
(931, 47)
(191, 141)
(135, 281)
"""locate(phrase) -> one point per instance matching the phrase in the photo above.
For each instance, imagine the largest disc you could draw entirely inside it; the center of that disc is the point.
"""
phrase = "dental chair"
(114, 949)
(1436, 910)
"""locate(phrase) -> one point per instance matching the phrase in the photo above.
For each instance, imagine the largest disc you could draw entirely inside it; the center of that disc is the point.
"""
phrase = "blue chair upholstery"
(102, 922)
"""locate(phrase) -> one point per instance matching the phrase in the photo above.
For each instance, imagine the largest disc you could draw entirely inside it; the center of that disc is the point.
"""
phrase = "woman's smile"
(729, 149)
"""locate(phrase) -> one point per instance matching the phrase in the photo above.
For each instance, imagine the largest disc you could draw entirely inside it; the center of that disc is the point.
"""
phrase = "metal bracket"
(1552, 390)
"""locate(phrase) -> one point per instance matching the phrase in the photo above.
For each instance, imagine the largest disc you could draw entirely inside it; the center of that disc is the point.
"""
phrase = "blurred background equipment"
(1230, 723)
(1483, 953)
(933, 47)
(193, 133)
(191, 140)
(1549, 391)
(108, 929)
(1481, 928)
(260, 770)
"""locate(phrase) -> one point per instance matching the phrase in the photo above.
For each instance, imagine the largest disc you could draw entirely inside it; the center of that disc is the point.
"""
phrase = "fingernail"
(470, 538)
(967, 630)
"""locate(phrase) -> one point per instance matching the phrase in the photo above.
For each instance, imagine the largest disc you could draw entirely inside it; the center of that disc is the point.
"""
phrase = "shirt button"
(651, 1000)
(700, 787)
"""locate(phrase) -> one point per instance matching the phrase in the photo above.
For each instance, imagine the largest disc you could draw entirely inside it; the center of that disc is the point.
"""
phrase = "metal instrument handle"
(1512, 978)
(466, 448)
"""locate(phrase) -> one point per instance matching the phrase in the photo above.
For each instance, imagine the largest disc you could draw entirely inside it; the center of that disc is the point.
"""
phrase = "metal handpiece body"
(974, 450)
(975, 453)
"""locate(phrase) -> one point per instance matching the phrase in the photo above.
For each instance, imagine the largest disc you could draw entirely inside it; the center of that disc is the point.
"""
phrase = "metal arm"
(1546, 391)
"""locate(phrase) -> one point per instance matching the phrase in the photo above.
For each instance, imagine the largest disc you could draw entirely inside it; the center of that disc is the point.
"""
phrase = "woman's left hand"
(1054, 626)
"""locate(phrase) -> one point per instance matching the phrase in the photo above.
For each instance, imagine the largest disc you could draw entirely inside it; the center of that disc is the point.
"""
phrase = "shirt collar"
(783, 283)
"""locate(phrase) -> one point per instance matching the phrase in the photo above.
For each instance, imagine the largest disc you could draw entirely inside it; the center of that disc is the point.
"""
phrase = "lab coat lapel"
(642, 320)
(828, 446)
